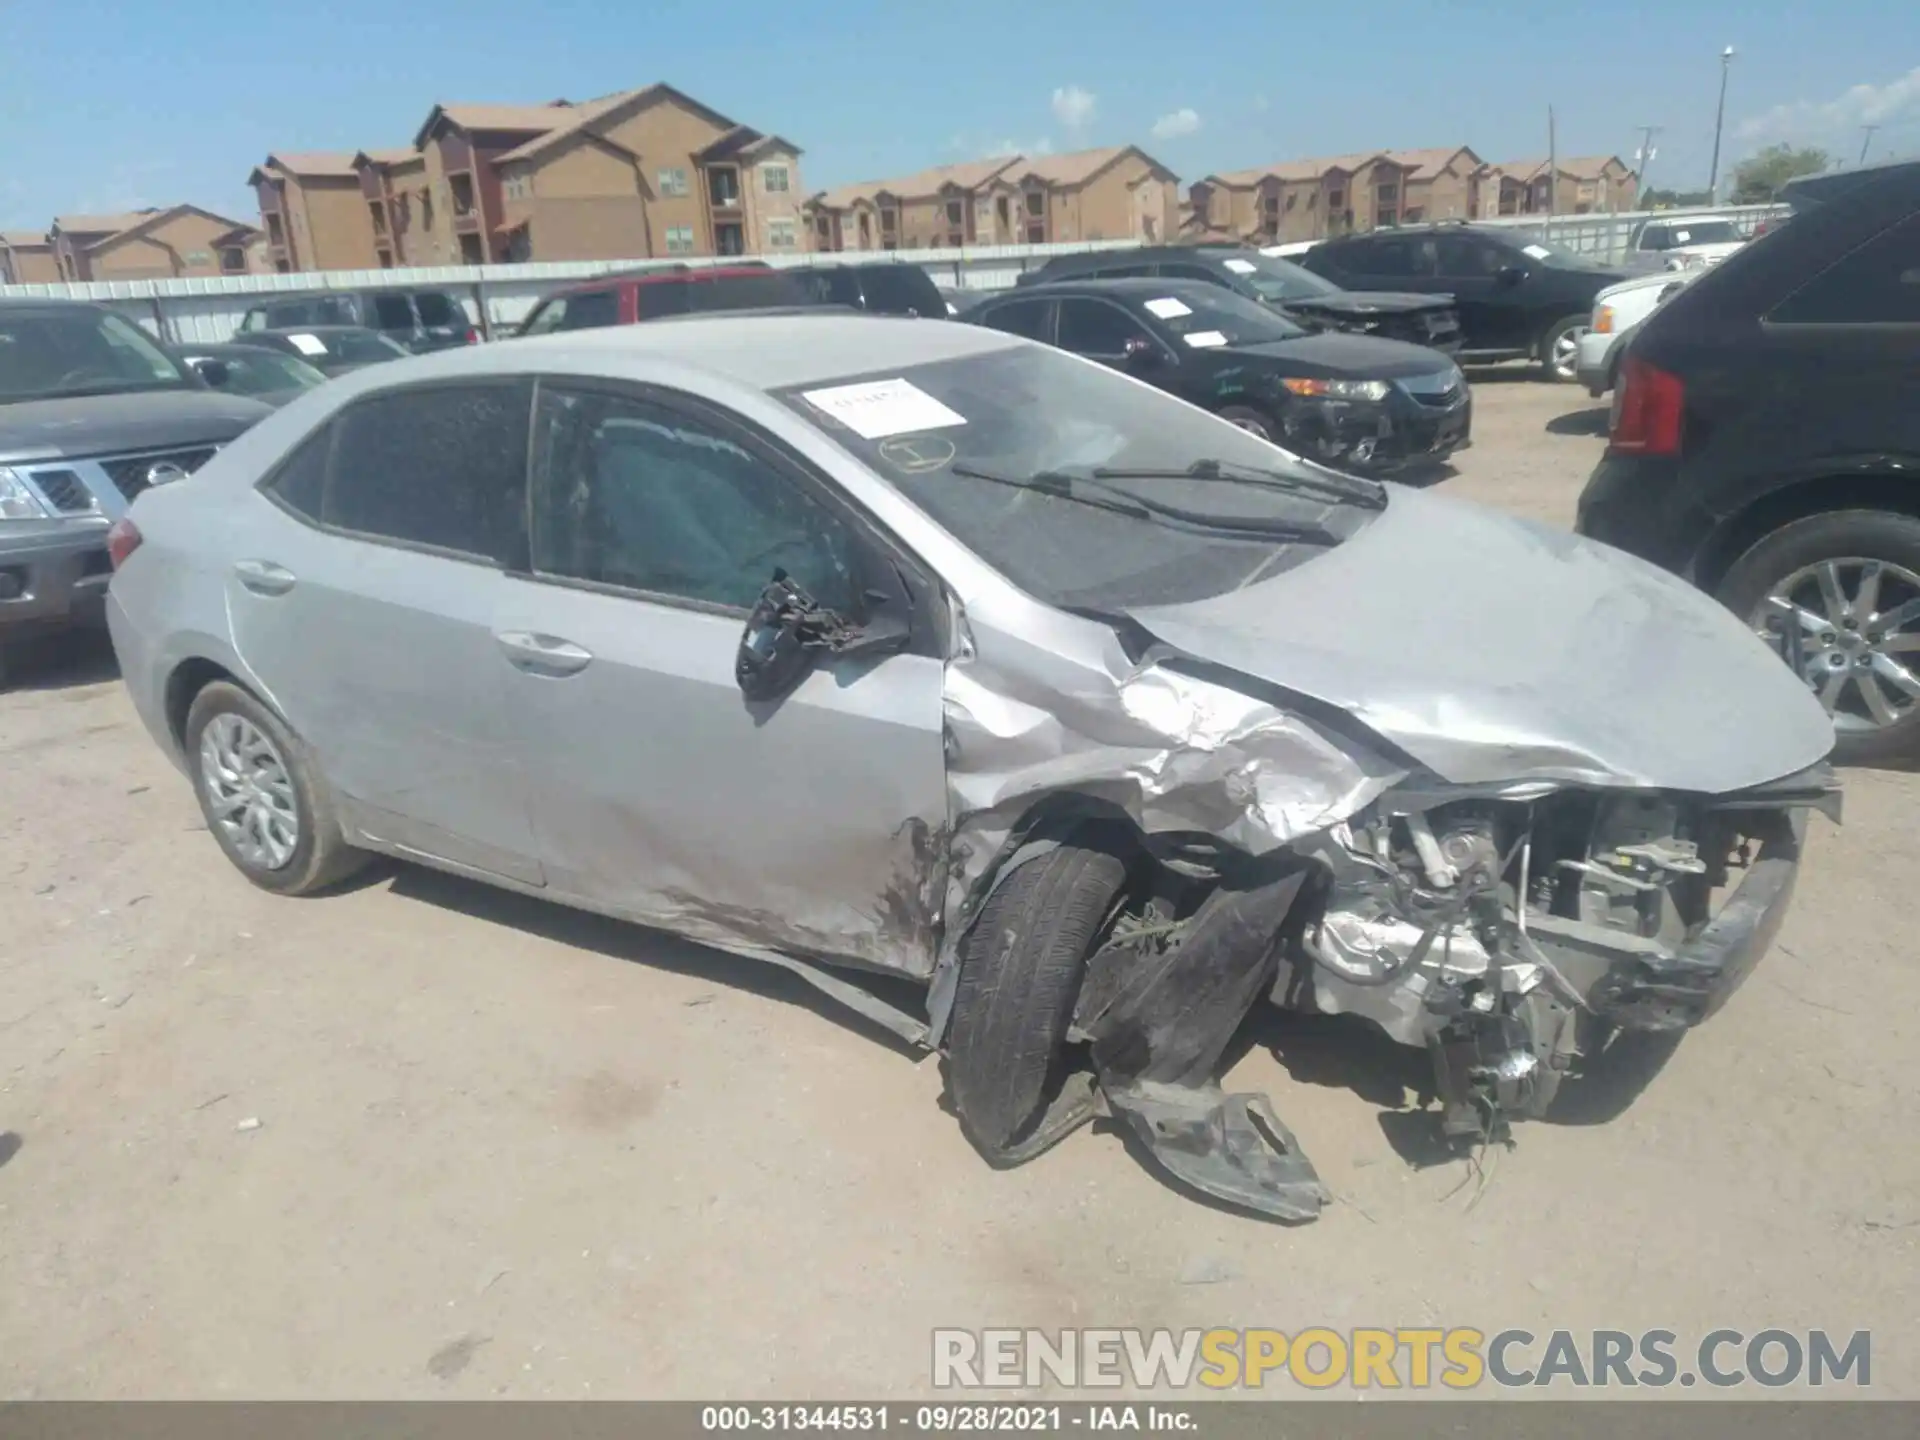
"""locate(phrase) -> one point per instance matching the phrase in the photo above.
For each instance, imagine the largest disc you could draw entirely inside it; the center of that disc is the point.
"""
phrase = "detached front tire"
(1020, 970)
(1849, 582)
(263, 797)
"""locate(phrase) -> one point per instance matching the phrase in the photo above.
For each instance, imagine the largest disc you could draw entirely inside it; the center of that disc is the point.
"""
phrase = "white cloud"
(1839, 119)
(1171, 126)
(1072, 106)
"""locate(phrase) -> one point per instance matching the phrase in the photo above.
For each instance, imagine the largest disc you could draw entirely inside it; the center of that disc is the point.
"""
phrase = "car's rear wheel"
(1020, 971)
(1560, 349)
(263, 797)
(1840, 593)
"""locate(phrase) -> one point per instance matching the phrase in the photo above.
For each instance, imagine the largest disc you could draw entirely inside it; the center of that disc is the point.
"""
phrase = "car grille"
(1438, 392)
(129, 472)
(64, 491)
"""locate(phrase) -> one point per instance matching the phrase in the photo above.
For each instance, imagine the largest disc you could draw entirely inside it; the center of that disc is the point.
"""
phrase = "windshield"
(1279, 280)
(1030, 409)
(252, 371)
(1703, 232)
(1206, 315)
(1547, 253)
(47, 354)
(769, 290)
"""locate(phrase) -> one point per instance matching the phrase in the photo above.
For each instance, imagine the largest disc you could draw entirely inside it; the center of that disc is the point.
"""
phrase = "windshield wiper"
(1090, 492)
(1330, 485)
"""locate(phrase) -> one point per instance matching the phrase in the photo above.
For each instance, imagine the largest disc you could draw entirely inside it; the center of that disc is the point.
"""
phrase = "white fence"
(498, 297)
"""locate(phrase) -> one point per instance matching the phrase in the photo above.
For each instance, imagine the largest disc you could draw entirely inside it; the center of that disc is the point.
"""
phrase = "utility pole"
(1719, 119)
(1553, 174)
(1644, 156)
(1866, 139)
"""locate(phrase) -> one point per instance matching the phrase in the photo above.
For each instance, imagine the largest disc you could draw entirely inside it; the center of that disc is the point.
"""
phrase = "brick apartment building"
(1315, 199)
(151, 244)
(1116, 193)
(641, 174)
(26, 258)
(1585, 184)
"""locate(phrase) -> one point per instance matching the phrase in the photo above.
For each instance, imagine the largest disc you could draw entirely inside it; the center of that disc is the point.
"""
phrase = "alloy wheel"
(1564, 359)
(249, 791)
(1851, 627)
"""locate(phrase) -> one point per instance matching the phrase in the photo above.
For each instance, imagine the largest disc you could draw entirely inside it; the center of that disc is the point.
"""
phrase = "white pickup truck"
(1681, 242)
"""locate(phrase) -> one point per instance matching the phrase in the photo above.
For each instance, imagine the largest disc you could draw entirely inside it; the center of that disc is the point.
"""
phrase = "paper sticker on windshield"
(1538, 252)
(1240, 267)
(1205, 339)
(1168, 309)
(307, 344)
(875, 409)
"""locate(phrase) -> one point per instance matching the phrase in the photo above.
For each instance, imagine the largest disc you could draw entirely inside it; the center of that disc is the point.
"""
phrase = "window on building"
(775, 179)
(781, 235)
(955, 239)
(426, 207)
(1336, 199)
(723, 186)
(1387, 217)
(643, 497)
(956, 212)
(672, 181)
(1036, 233)
(1036, 202)
(442, 467)
(889, 220)
(1386, 194)
(730, 239)
(233, 260)
(1002, 214)
(679, 239)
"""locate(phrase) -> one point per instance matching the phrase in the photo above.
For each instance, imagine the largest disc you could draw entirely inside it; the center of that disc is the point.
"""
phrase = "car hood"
(1490, 648)
(106, 424)
(1367, 302)
(1655, 282)
(1333, 354)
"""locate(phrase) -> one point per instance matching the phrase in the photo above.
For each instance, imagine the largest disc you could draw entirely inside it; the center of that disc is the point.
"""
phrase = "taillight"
(1646, 415)
(473, 336)
(123, 538)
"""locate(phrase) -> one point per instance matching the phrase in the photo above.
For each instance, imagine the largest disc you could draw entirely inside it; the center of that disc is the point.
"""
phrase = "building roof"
(744, 140)
(1311, 169)
(317, 164)
(582, 117)
(967, 175)
(1580, 167)
(1425, 164)
(386, 157)
(101, 224)
(155, 217)
(24, 239)
(528, 119)
(1076, 167)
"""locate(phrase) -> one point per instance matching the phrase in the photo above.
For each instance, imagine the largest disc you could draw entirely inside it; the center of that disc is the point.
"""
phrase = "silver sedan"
(878, 649)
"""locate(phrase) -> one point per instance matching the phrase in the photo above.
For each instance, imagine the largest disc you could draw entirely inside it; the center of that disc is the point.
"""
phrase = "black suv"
(421, 320)
(1765, 444)
(1312, 301)
(1519, 298)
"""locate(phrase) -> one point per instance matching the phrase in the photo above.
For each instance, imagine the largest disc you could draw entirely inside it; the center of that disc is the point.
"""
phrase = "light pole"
(1719, 119)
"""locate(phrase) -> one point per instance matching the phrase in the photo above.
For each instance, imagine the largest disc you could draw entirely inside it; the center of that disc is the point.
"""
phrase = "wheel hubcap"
(1851, 627)
(1566, 351)
(249, 791)
(1252, 427)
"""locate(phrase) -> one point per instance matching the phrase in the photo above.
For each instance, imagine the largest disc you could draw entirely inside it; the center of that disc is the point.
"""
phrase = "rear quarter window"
(438, 309)
(1876, 284)
(902, 290)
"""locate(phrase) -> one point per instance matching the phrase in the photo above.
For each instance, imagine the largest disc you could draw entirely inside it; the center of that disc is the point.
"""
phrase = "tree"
(1760, 178)
(1670, 199)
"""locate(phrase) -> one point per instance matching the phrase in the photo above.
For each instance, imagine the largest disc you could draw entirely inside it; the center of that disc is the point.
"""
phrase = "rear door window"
(1097, 328)
(902, 290)
(1876, 284)
(1399, 255)
(1018, 317)
(437, 309)
(589, 310)
(392, 312)
(442, 467)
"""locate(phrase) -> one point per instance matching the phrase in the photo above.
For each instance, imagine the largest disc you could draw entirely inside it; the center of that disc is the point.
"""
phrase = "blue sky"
(106, 106)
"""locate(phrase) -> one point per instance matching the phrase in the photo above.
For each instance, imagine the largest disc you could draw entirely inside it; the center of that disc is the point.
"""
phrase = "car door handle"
(263, 577)
(543, 654)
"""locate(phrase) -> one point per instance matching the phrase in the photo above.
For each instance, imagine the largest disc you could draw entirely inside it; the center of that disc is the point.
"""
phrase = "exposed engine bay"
(1510, 935)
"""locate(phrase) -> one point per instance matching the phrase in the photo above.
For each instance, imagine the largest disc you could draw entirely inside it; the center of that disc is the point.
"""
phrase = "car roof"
(1810, 190)
(278, 297)
(45, 304)
(314, 330)
(674, 274)
(764, 352)
(1125, 287)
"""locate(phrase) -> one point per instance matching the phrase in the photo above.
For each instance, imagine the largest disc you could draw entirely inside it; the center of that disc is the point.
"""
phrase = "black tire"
(1555, 333)
(1867, 534)
(1020, 972)
(320, 856)
(1250, 420)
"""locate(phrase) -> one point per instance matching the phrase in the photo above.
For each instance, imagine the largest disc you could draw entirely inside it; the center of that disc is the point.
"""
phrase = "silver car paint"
(1480, 647)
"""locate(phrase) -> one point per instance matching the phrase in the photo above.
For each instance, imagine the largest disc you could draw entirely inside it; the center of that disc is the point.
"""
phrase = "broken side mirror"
(788, 632)
(1510, 275)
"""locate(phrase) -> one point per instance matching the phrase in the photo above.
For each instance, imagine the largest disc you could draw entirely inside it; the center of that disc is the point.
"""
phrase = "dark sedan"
(1362, 404)
(330, 349)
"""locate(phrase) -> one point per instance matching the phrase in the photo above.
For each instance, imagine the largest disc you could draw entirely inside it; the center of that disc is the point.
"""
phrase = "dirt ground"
(426, 1139)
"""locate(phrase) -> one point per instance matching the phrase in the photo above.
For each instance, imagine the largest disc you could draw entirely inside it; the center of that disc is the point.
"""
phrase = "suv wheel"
(1560, 349)
(1848, 583)
(262, 795)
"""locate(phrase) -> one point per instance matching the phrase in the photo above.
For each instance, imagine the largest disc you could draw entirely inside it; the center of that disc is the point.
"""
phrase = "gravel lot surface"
(426, 1139)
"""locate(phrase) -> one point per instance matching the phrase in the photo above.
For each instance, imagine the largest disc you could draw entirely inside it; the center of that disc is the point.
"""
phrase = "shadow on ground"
(58, 662)
(1580, 422)
(623, 940)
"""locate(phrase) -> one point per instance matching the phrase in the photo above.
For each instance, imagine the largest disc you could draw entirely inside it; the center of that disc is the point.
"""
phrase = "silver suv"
(92, 412)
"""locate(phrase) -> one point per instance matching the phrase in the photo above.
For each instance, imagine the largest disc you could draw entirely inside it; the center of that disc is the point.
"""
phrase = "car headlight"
(1338, 389)
(17, 502)
(1603, 320)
